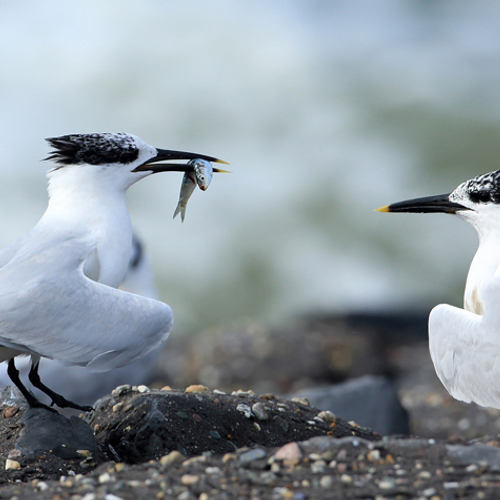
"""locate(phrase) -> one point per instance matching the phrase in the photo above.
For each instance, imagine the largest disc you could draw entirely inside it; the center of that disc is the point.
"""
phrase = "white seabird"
(465, 343)
(58, 295)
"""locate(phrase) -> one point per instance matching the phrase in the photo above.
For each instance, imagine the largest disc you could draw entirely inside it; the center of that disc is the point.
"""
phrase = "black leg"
(56, 398)
(13, 373)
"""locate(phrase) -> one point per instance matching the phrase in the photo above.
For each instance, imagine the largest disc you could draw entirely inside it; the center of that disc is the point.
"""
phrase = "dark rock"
(370, 401)
(43, 430)
(146, 426)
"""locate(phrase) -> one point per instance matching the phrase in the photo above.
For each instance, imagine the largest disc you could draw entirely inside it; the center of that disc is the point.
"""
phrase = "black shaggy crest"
(93, 149)
(484, 188)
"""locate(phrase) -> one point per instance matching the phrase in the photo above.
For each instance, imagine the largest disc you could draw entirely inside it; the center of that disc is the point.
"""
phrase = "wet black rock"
(143, 426)
(371, 401)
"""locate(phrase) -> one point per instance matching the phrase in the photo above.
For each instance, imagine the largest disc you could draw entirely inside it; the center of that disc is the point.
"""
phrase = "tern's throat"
(485, 263)
(86, 208)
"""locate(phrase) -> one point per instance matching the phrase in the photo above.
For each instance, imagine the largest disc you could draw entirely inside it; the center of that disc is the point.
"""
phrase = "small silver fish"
(187, 187)
(203, 171)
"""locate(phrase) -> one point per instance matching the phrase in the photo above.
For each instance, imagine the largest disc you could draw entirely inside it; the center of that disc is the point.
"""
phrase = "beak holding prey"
(166, 155)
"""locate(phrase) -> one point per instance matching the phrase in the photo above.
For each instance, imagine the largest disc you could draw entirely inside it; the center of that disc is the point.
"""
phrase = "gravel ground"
(454, 451)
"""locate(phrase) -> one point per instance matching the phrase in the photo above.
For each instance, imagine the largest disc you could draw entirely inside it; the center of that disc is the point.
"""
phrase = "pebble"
(326, 482)
(373, 455)
(302, 401)
(214, 434)
(326, 416)
(243, 394)
(166, 388)
(259, 411)
(143, 388)
(105, 478)
(174, 457)
(387, 483)
(10, 411)
(212, 470)
(12, 464)
(189, 479)
(429, 492)
(228, 457)
(216, 391)
(117, 407)
(196, 388)
(14, 453)
(267, 396)
(194, 460)
(121, 390)
(345, 478)
(290, 451)
(250, 456)
(245, 409)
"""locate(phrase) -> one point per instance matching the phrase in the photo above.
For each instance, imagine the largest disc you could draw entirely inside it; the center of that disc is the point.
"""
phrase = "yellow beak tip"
(383, 209)
(222, 161)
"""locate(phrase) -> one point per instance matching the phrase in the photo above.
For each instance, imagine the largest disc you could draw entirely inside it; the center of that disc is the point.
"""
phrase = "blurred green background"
(325, 110)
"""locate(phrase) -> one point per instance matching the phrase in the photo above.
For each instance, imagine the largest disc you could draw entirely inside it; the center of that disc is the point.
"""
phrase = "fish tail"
(180, 210)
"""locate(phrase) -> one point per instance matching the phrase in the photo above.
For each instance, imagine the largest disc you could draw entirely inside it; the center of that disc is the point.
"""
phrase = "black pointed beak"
(429, 204)
(167, 155)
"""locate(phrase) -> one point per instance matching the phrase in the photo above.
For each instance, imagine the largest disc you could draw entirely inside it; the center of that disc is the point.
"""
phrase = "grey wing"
(77, 321)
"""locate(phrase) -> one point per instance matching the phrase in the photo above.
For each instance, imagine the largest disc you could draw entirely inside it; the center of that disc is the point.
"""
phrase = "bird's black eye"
(480, 196)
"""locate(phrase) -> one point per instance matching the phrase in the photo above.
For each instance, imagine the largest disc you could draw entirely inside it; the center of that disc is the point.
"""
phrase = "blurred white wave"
(325, 110)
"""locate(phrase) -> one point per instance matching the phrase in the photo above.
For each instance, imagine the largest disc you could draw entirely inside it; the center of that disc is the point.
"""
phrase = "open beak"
(429, 204)
(166, 155)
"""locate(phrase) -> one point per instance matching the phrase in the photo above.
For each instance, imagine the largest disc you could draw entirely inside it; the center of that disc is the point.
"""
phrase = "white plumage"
(58, 295)
(465, 343)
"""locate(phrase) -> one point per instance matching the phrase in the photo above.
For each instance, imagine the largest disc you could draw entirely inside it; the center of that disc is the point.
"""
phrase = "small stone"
(326, 416)
(14, 453)
(429, 492)
(267, 396)
(10, 411)
(12, 464)
(214, 435)
(119, 466)
(373, 455)
(166, 388)
(387, 483)
(424, 475)
(189, 479)
(121, 390)
(216, 391)
(345, 478)
(243, 394)
(245, 409)
(196, 418)
(42, 486)
(302, 401)
(194, 460)
(326, 481)
(117, 407)
(203, 496)
(182, 414)
(257, 426)
(306, 483)
(104, 478)
(212, 470)
(290, 451)
(143, 388)
(172, 458)
(250, 456)
(84, 453)
(352, 423)
(196, 388)
(110, 496)
(228, 457)
(259, 411)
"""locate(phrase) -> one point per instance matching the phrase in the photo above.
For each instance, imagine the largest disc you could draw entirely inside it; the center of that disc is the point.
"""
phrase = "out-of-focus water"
(325, 110)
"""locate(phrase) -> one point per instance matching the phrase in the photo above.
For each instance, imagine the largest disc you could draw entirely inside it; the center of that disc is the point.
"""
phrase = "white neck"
(90, 206)
(485, 263)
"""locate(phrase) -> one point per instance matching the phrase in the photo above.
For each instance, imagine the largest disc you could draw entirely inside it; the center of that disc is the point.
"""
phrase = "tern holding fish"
(58, 283)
